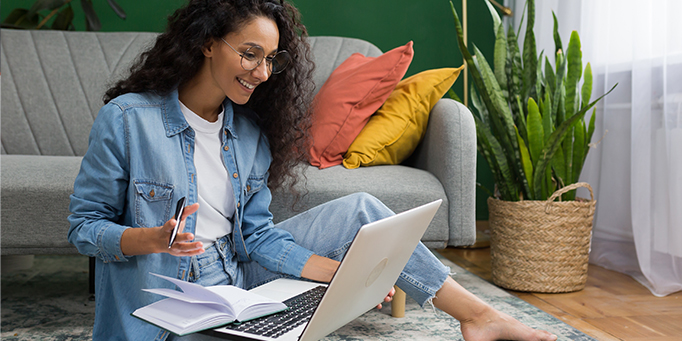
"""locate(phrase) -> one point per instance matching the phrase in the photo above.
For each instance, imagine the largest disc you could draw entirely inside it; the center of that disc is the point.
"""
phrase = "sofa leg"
(398, 303)
(91, 279)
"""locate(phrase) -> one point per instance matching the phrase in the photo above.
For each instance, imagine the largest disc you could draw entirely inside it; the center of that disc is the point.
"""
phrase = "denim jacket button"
(239, 205)
(151, 193)
(248, 188)
(226, 148)
(235, 175)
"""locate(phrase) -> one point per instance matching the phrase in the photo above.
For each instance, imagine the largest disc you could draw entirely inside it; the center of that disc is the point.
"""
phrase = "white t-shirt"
(216, 198)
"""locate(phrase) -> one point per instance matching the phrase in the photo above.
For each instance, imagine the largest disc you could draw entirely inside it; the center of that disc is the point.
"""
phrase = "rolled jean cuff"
(418, 283)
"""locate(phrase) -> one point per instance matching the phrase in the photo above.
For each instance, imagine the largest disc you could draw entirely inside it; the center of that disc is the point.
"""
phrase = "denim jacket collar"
(174, 121)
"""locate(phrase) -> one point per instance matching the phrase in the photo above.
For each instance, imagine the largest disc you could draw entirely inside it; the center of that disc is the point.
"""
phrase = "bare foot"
(495, 325)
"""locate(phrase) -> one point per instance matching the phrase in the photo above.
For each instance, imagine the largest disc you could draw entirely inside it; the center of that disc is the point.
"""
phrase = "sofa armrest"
(448, 151)
(35, 203)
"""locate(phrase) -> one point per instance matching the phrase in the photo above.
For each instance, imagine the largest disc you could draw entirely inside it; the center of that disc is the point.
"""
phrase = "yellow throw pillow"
(395, 130)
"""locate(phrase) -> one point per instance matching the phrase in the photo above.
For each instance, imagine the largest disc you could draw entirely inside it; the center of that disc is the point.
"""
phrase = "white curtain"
(636, 169)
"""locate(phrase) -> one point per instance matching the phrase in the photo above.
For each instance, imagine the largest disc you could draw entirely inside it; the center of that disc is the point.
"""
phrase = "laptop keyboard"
(301, 308)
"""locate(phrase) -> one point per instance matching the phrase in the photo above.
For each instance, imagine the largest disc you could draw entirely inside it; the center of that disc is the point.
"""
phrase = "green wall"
(386, 23)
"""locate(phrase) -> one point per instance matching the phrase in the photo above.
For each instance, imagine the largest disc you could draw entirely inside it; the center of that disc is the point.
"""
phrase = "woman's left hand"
(388, 297)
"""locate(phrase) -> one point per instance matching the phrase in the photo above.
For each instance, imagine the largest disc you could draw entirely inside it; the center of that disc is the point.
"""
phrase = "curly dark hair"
(281, 104)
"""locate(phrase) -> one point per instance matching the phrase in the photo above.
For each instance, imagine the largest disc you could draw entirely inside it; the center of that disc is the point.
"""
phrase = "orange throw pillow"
(351, 94)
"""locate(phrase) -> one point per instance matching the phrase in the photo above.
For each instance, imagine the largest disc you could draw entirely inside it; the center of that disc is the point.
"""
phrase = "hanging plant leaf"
(19, 18)
(64, 20)
(92, 22)
(40, 5)
(119, 11)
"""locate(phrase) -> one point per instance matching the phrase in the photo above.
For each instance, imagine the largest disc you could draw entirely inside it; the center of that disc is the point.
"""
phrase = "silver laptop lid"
(369, 269)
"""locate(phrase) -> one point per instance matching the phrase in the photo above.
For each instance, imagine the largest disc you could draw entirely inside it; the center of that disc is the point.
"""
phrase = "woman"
(216, 112)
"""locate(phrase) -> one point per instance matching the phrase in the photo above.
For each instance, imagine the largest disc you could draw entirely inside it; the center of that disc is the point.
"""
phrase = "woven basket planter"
(541, 246)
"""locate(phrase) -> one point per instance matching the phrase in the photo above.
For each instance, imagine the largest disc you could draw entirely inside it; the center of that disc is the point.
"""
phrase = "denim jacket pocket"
(253, 185)
(152, 202)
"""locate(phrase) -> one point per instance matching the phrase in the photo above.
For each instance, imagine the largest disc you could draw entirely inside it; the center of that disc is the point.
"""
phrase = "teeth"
(250, 86)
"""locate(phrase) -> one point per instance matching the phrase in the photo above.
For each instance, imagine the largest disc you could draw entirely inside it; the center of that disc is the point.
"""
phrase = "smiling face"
(227, 74)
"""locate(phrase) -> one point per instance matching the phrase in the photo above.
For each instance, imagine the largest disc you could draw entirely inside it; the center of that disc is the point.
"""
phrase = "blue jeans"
(328, 231)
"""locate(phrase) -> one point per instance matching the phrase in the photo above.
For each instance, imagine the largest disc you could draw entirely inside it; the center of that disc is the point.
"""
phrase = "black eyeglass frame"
(268, 60)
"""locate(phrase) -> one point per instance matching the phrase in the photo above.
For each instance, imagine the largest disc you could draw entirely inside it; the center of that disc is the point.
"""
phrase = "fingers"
(184, 246)
(388, 297)
(189, 210)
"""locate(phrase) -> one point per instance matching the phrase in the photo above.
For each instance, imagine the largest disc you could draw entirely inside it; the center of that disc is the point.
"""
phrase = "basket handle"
(563, 190)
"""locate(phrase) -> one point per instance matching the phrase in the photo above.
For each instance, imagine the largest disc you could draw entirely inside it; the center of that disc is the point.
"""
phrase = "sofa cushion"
(35, 203)
(351, 94)
(395, 130)
(399, 187)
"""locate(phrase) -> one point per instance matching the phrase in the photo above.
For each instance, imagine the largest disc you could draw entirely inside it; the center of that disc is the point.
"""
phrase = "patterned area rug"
(50, 302)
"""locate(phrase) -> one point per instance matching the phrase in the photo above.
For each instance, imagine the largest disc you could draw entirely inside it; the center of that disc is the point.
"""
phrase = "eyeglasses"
(254, 56)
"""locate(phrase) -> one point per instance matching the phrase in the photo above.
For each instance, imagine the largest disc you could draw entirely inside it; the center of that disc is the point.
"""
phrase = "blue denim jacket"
(139, 163)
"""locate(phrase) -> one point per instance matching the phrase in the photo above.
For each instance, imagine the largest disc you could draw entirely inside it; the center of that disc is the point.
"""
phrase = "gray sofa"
(52, 86)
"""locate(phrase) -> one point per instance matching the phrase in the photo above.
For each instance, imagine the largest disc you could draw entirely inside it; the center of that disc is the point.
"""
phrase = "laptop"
(371, 266)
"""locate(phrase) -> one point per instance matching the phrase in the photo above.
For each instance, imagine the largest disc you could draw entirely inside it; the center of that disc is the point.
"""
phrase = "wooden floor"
(613, 306)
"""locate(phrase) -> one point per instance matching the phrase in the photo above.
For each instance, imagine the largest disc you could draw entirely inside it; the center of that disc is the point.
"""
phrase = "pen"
(179, 208)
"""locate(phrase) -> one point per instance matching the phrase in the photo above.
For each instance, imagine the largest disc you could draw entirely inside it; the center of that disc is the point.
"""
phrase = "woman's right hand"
(183, 244)
(144, 240)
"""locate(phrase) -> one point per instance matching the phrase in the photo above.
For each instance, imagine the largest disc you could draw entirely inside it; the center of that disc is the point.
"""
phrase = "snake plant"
(530, 122)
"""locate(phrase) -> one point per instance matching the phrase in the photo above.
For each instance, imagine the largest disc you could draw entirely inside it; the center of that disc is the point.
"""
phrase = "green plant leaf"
(586, 92)
(567, 145)
(526, 161)
(590, 131)
(550, 77)
(19, 18)
(559, 164)
(92, 22)
(117, 9)
(561, 110)
(575, 68)
(578, 150)
(558, 112)
(539, 80)
(546, 111)
(485, 189)
(14, 16)
(505, 178)
(521, 118)
(536, 134)
(548, 185)
(64, 19)
(530, 60)
(40, 5)
(490, 92)
(500, 60)
(482, 110)
(454, 96)
(557, 37)
(514, 72)
(555, 140)
(497, 22)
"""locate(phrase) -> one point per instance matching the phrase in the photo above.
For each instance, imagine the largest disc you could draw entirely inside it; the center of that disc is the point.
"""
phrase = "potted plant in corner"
(532, 132)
